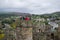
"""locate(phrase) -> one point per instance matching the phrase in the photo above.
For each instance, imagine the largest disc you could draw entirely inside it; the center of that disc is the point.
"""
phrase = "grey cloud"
(31, 6)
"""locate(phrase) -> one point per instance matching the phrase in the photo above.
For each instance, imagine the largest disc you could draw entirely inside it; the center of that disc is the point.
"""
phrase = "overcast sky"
(30, 6)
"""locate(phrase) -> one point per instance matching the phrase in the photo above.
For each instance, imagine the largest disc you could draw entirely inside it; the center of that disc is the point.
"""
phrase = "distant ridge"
(54, 14)
(14, 14)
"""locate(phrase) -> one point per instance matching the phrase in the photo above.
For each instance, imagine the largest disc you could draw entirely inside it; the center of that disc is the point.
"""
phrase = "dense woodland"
(12, 27)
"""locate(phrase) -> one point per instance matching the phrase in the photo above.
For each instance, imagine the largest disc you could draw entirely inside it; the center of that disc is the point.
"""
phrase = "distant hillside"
(55, 14)
(6, 14)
